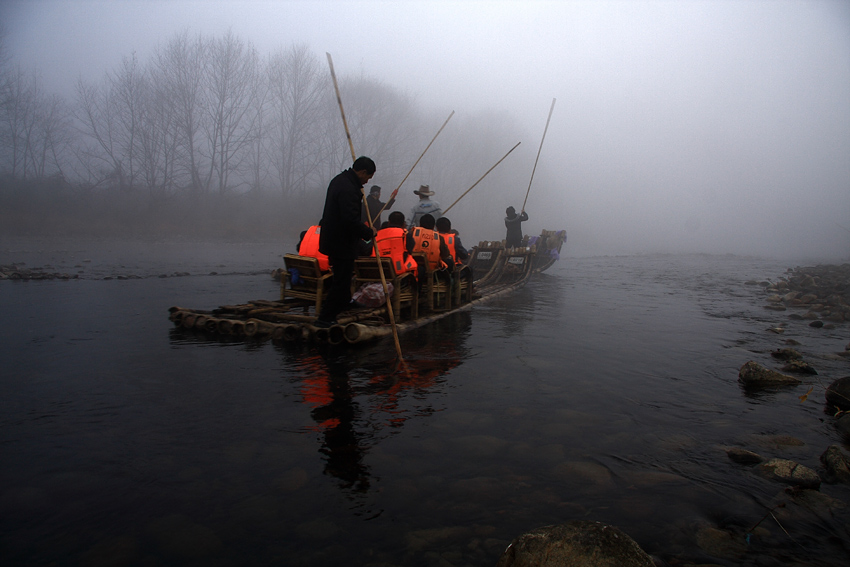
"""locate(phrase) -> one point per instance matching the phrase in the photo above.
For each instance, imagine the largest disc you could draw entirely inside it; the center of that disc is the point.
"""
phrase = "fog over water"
(679, 126)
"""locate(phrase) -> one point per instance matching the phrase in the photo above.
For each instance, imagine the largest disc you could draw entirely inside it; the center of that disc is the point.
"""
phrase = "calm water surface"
(606, 389)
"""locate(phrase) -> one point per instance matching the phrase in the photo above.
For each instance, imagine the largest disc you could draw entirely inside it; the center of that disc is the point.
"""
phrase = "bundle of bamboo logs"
(273, 320)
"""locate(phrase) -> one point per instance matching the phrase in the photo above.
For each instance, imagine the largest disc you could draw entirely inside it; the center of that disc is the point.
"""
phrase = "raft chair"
(304, 280)
(435, 287)
(405, 291)
(461, 285)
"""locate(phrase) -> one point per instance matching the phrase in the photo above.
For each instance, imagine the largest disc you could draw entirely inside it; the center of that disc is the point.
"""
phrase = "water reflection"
(327, 390)
(358, 397)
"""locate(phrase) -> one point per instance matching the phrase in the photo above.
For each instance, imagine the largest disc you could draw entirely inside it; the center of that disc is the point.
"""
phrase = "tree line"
(207, 118)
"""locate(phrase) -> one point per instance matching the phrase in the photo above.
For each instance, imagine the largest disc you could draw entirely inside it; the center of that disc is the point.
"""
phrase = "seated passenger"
(392, 243)
(424, 239)
(309, 246)
(452, 240)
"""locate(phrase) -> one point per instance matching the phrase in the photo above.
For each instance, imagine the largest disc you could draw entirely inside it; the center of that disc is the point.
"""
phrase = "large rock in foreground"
(575, 544)
(838, 394)
(753, 374)
(790, 472)
(836, 463)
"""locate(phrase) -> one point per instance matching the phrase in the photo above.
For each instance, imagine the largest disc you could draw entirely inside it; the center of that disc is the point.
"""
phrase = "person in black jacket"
(376, 205)
(513, 222)
(342, 231)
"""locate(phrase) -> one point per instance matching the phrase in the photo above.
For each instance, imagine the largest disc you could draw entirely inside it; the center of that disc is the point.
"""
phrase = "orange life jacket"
(310, 247)
(392, 243)
(428, 242)
(449, 239)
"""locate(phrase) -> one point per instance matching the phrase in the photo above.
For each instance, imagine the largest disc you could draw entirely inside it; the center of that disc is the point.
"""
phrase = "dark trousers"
(339, 295)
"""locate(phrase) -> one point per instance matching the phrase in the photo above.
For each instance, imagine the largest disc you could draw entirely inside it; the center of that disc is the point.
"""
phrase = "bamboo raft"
(495, 272)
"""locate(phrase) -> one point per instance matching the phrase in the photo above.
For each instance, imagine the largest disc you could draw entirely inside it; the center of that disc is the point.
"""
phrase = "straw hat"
(424, 190)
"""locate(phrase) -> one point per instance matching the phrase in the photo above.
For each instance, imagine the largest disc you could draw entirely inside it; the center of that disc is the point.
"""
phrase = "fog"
(717, 127)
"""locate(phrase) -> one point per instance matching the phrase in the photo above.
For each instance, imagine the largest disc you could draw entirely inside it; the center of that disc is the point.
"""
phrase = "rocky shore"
(820, 295)
(21, 272)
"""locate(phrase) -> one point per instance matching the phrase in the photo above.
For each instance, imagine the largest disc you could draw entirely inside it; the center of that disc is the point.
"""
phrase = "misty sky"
(720, 126)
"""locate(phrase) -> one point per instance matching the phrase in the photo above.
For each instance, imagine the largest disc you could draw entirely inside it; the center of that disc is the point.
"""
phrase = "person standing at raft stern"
(341, 233)
(376, 206)
(513, 222)
(425, 206)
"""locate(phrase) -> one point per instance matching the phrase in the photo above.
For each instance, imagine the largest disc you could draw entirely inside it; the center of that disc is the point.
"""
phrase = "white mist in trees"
(109, 115)
(34, 127)
(383, 123)
(231, 84)
(180, 67)
(298, 91)
(19, 95)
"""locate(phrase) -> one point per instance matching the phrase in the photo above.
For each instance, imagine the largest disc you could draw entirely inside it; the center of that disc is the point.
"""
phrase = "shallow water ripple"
(606, 389)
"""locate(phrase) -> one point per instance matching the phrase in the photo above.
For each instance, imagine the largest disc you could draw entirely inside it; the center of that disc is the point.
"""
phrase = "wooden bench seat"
(311, 285)
(435, 287)
(405, 294)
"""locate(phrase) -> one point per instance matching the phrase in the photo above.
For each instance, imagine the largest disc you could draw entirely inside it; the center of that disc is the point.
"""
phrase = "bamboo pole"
(482, 177)
(368, 216)
(394, 193)
(538, 155)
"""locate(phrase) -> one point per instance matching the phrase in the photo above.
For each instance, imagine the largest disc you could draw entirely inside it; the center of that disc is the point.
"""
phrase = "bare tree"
(258, 167)
(157, 140)
(110, 115)
(232, 77)
(19, 93)
(383, 122)
(179, 74)
(51, 137)
(298, 98)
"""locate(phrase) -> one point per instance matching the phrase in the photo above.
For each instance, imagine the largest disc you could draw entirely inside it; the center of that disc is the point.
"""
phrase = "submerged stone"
(790, 472)
(575, 544)
(799, 367)
(836, 463)
(838, 394)
(753, 374)
(786, 354)
(744, 457)
(720, 543)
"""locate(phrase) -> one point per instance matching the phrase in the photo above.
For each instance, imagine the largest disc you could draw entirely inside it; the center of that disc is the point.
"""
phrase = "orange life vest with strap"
(449, 239)
(392, 243)
(310, 247)
(428, 242)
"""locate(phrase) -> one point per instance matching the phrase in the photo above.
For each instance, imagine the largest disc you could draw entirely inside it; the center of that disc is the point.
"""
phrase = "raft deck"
(495, 270)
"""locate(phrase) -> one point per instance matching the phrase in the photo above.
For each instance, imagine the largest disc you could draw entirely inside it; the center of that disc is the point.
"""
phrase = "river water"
(606, 389)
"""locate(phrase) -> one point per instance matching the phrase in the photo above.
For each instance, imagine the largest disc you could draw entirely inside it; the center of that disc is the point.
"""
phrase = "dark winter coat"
(375, 207)
(341, 226)
(514, 226)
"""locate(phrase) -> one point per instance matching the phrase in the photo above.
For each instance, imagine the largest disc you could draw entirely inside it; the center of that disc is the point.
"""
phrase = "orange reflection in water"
(349, 413)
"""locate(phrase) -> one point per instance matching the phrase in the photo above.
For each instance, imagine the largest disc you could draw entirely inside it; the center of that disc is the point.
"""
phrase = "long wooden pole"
(417, 162)
(482, 177)
(538, 154)
(368, 216)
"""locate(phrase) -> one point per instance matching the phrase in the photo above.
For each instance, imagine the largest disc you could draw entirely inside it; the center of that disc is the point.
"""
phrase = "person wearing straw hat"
(425, 206)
